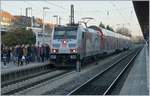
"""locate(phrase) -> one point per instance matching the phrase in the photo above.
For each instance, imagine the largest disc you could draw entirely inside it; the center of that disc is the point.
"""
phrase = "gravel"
(82, 77)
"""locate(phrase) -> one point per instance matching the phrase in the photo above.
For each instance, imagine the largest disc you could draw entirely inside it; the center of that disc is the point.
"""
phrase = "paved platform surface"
(11, 66)
(137, 82)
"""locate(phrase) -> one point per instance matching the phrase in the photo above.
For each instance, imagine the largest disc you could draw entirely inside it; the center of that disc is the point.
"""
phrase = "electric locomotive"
(79, 42)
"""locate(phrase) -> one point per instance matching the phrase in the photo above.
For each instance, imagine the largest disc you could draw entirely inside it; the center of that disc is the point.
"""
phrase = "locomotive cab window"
(65, 33)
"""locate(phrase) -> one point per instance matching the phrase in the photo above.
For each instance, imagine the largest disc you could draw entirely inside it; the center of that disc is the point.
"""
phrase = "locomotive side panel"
(92, 43)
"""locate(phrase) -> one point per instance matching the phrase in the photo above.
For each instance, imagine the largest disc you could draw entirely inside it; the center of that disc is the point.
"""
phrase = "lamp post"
(29, 8)
(56, 16)
(59, 20)
(44, 8)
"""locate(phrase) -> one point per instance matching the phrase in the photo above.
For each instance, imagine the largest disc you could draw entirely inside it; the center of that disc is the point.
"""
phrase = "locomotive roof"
(94, 27)
(63, 28)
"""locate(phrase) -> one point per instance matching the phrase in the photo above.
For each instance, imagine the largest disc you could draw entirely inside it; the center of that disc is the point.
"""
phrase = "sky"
(113, 13)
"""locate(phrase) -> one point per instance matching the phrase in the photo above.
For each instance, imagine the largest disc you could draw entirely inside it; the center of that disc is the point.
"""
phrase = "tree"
(124, 31)
(109, 28)
(137, 39)
(101, 25)
(18, 36)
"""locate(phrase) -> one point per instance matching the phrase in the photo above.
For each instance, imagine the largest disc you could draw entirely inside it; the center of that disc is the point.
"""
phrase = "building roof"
(6, 14)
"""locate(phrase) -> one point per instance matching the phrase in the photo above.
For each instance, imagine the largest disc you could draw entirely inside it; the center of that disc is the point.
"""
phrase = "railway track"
(19, 79)
(103, 82)
(25, 80)
(22, 83)
(19, 85)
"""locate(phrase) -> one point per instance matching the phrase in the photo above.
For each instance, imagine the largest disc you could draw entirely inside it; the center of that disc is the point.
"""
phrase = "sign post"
(78, 64)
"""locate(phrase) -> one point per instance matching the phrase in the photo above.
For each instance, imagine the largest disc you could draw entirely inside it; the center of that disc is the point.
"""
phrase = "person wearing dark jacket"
(29, 53)
(33, 53)
(20, 54)
(38, 54)
(8, 55)
(47, 52)
(42, 53)
(18, 51)
(4, 55)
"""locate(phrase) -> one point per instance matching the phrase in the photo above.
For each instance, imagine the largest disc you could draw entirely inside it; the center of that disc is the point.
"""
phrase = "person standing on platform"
(8, 54)
(42, 53)
(47, 52)
(14, 54)
(20, 53)
(38, 53)
(32, 53)
(25, 52)
(4, 52)
(29, 53)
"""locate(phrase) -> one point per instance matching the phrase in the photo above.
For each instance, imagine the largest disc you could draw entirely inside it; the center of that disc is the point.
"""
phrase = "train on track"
(79, 42)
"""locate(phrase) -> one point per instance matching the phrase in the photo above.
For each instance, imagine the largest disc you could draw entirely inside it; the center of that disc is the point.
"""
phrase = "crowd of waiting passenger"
(24, 54)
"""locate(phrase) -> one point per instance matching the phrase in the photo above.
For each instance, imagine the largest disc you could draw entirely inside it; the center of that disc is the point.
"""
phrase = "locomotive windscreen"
(65, 33)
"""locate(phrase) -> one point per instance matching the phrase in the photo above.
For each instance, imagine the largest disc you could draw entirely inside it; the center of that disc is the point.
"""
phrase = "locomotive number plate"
(64, 50)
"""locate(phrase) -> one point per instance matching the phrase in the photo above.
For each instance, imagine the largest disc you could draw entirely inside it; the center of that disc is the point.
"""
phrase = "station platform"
(12, 67)
(137, 82)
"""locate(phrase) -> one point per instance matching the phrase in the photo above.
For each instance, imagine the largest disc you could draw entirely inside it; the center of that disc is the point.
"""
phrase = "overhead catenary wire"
(118, 11)
(58, 6)
(80, 11)
(96, 11)
(122, 16)
(55, 5)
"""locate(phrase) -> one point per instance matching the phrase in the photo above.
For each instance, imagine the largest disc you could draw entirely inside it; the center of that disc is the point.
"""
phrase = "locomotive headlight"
(65, 42)
(54, 50)
(73, 50)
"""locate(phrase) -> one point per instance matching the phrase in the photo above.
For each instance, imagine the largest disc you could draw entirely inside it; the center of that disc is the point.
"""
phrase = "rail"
(73, 92)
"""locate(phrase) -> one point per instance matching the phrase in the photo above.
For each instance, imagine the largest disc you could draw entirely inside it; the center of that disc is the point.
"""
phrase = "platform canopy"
(142, 12)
